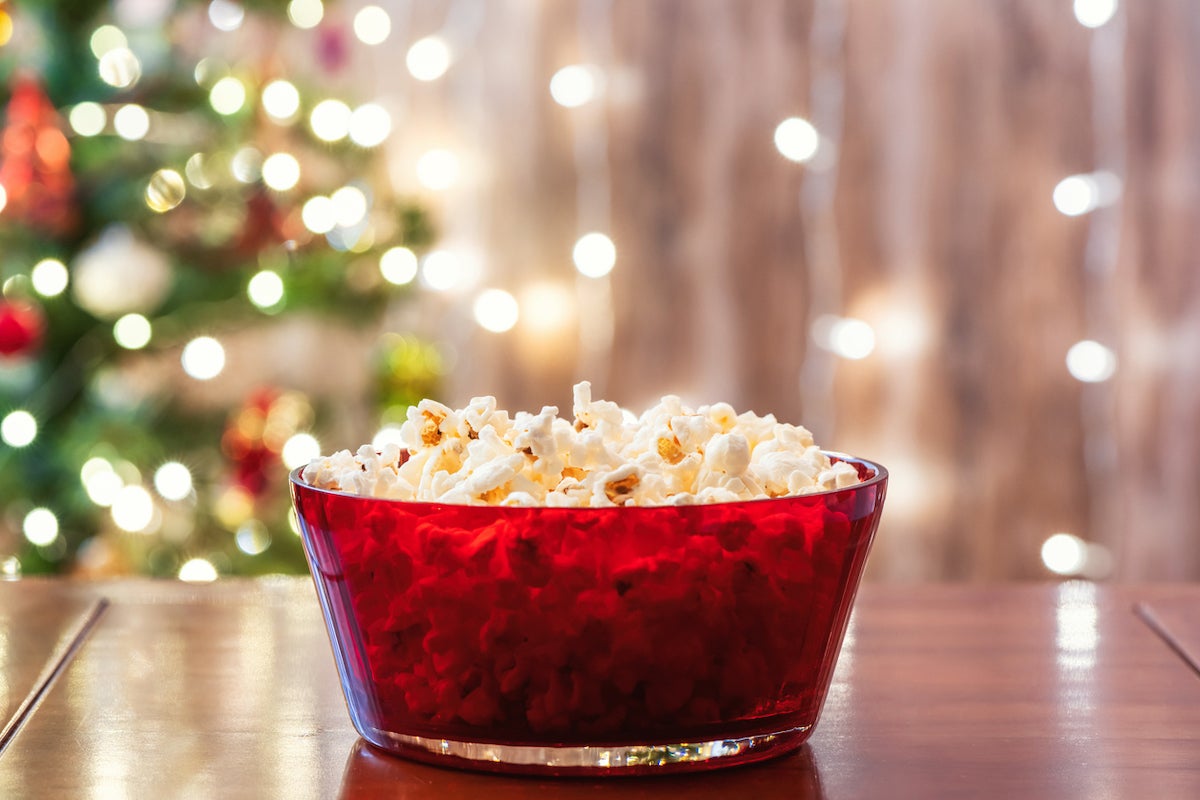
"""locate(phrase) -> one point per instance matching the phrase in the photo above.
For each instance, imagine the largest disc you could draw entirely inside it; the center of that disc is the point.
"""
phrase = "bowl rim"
(880, 477)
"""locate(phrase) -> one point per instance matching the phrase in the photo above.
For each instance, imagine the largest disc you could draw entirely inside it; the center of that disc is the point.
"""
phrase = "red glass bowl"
(627, 640)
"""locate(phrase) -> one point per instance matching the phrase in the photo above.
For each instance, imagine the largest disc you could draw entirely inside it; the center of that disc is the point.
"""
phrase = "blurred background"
(954, 237)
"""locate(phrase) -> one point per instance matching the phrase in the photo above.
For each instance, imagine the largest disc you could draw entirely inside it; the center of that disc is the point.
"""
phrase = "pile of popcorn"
(606, 456)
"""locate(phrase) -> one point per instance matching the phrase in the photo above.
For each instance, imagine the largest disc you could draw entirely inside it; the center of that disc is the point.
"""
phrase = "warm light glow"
(575, 85)
(18, 428)
(594, 255)
(203, 358)
(437, 169)
(306, 14)
(107, 38)
(398, 265)
(246, 165)
(349, 206)
(299, 450)
(1064, 553)
(131, 122)
(227, 96)
(196, 172)
(428, 58)
(10, 568)
(173, 481)
(442, 271)
(318, 214)
(132, 331)
(281, 101)
(87, 118)
(388, 434)
(281, 171)
(165, 190)
(372, 25)
(100, 481)
(265, 289)
(330, 120)
(226, 15)
(546, 308)
(40, 527)
(496, 310)
(796, 139)
(201, 570)
(49, 277)
(1075, 195)
(133, 509)
(844, 336)
(120, 68)
(252, 537)
(1094, 13)
(1091, 362)
(3, 198)
(370, 125)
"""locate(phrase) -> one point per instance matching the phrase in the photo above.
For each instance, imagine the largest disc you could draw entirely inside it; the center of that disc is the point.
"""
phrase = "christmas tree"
(153, 201)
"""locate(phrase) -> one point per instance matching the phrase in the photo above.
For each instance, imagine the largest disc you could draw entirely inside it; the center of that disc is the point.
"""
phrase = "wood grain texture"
(230, 690)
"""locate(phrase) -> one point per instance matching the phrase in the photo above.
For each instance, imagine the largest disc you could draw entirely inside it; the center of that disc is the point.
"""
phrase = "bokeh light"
(1091, 362)
(575, 85)
(372, 25)
(281, 101)
(133, 509)
(318, 214)
(200, 570)
(330, 120)
(87, 118)
(370, 125)
(203, 358)
(120, 68)
(281, 171)
(797, 140)
(594, 255)
(398, 265)
(428, 58)
(1064, 554)
(173, 481)
(306, 14)
(132, 331)
(40, 526)
(49, 277)
(18, 428)
(226, 15)
(165, 190)
(496, 310)
(265, 289)
(1094, 13)
(131, 122)
(227, 96)
(300, 449)
(437, 169)
(107, 38)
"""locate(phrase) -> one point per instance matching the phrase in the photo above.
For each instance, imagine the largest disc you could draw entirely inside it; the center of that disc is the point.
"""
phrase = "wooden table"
(160, 690)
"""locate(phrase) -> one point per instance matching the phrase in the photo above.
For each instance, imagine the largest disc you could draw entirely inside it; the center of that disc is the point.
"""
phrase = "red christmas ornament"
(21, 329)
(35, 161)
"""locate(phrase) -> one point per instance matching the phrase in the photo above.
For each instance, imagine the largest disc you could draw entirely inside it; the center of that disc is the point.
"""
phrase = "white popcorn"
(606, 456)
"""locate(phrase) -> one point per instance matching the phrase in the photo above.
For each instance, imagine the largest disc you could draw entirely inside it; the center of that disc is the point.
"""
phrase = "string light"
(131, 122)
(372, 25)
(281, 101)
(173, 481)
(300, 449)
(575, 85)
(594, 255)
(40, 527)
(437, 170)
(132, 331)
(201, 570)
(442, 271)
(100, 481)
(87, 118)
(227, 96)
(428, 58)
(797, 139)
(226, 15)
(496, 310)
(318, 214)
(105, 39)
(49, 277)
(252, 537)
(306, 14)
(370, 125)
(18, 428)
(203, 358)
(133, 509)
(165, 190)
(350, 206)
(196, 172)
(846, 337)
(330, 120)
(1094, 13)
(1064, 554)
(281, 171)
(398, 265)
(1091, 362)
(265, 289)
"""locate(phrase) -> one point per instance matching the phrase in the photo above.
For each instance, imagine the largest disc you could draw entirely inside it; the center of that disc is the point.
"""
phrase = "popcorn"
(605, 456)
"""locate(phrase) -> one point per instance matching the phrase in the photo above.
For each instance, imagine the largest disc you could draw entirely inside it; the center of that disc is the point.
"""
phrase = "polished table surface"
(137, 689)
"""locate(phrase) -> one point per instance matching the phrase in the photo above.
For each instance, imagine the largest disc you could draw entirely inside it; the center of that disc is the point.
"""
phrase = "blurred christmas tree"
(151, 202)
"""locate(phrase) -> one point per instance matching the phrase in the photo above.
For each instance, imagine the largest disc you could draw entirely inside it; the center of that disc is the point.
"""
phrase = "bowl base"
(592, 760)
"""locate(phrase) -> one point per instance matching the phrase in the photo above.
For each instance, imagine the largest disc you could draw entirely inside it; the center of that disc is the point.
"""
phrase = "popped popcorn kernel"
(604, 456)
